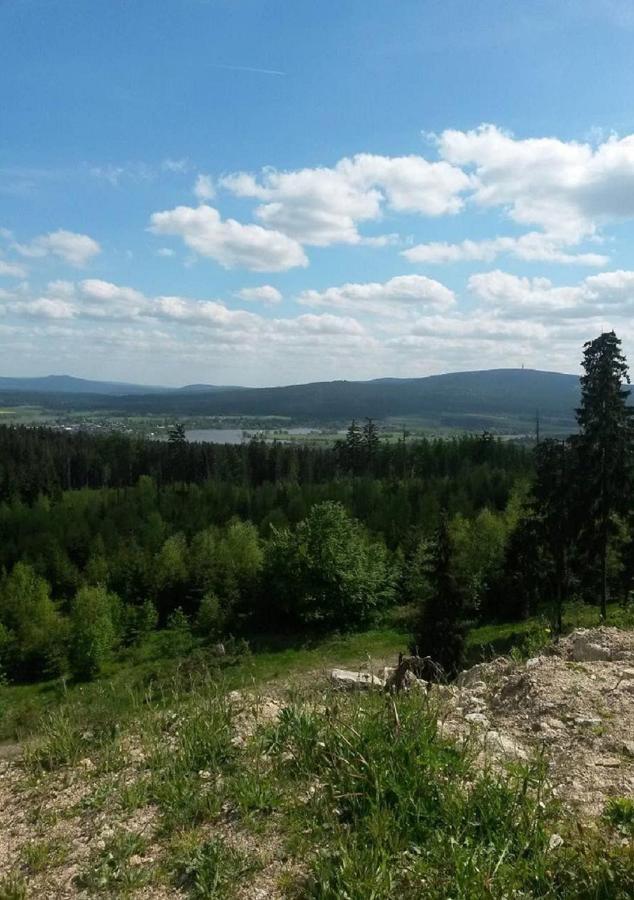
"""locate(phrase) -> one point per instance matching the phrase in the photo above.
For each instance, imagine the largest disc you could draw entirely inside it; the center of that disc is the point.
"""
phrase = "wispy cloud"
(257, 71)
(139, 171)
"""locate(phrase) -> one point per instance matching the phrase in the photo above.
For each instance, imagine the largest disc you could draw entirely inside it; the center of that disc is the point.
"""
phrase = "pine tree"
(554, 503)
(605, 448)
(176, 435)
(352, 451)
(177, 445)
(440, 631)
(370, 439)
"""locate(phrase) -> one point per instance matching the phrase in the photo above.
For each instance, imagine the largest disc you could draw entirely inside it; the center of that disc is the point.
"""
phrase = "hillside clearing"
(288, 789)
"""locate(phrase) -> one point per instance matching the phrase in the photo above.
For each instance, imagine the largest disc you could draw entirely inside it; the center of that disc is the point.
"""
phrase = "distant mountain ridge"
(69, 384)
(463, 399)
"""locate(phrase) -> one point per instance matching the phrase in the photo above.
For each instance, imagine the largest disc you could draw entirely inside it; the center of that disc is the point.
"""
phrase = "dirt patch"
(580, 715)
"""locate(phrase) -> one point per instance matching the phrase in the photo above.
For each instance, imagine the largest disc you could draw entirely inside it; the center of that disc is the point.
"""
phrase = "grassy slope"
(21, 706)
(150, 783)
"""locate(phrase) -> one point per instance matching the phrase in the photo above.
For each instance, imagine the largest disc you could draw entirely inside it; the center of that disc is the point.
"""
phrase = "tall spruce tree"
(555, 515)
(605, 449)
(353, 448)
(371, 440)
(177, 444)
(440, 630)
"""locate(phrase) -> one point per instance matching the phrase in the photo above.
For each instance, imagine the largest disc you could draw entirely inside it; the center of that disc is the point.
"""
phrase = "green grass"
(211, 870)
(39, 855)
(26, 709)
(23, 415)
(112, 871)
(398, 811)
(361, 795)
(533, 634)
(619, 812)
(13, 887)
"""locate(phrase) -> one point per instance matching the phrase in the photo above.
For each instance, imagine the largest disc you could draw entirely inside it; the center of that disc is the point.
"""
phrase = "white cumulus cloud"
(43, 308)
(265, 293)
(204, 188)
(229, 242)
(531, 247)
(566, 188)
(75, 249)
(610, 293)
(323, 206)
(11, 270)
(384, 298)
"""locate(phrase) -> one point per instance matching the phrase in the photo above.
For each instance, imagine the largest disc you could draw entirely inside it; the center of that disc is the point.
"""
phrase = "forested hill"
(68, 384)
(496, 392)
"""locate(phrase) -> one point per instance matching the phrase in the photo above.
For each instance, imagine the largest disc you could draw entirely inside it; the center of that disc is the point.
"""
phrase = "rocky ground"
(574, 704)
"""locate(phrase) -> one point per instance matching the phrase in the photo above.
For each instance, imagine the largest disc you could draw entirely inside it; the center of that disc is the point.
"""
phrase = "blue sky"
(263, 192)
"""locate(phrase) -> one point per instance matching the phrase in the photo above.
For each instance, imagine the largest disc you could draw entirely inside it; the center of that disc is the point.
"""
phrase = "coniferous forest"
(106, 539)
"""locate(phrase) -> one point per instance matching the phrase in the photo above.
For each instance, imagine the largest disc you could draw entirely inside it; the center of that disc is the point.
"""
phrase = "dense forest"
(104, 539)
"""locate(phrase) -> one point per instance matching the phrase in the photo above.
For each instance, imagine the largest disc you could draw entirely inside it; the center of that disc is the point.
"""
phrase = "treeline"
(327, 544)
(580, 519)
(38, 462)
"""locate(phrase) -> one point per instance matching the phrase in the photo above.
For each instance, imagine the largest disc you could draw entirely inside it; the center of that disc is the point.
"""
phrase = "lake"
(215, 435)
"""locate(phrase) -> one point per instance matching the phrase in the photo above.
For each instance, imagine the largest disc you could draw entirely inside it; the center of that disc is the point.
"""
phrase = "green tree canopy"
(33, 628)
(327, 571)
(92, 631)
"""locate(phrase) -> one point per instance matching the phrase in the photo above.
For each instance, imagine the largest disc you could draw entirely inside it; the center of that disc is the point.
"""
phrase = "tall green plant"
(92, 631)
(440, 631)
(605, 444)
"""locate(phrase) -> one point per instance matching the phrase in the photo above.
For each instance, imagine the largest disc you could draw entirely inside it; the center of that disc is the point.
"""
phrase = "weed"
(210, 871)
(619, 812)
(13, 887)
(185, 765)
(135, 795)
(184, 800)
(254, 790)
(98, 799)
(40, 855)
(111, 871)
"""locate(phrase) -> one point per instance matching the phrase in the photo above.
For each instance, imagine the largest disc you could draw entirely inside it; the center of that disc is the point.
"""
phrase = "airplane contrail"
(247, 69)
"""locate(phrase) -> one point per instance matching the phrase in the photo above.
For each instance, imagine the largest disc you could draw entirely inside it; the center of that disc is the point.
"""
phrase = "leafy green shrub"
(176, 638)
(92, 631)
(327, 571)
(138, 622)
(32, 632)
(209, 618)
